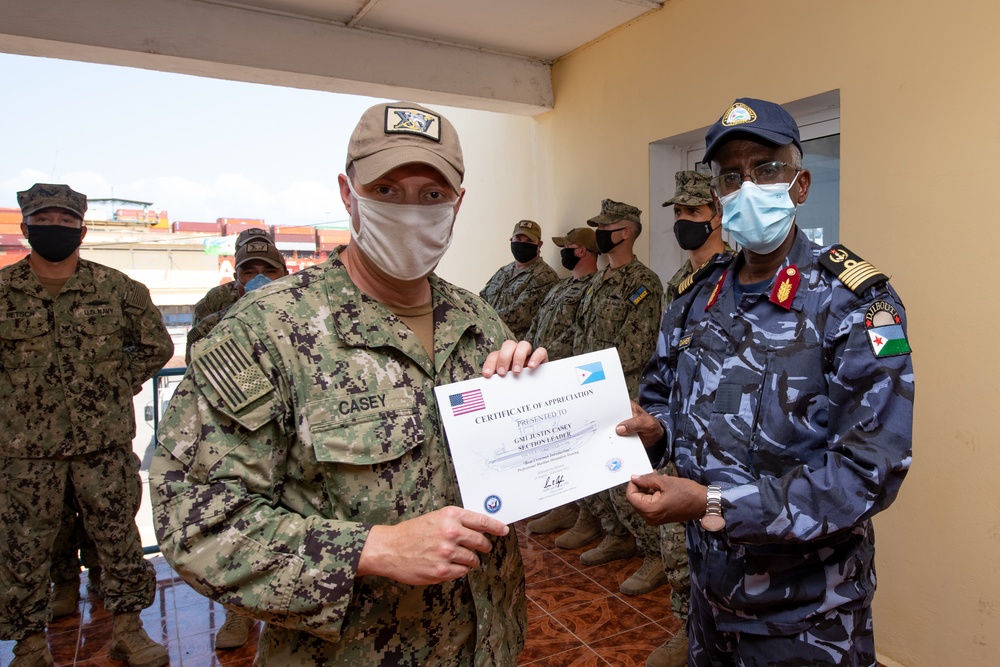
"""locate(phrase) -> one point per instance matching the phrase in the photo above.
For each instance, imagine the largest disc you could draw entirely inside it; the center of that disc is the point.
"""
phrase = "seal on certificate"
(492, 504)
(613, 465)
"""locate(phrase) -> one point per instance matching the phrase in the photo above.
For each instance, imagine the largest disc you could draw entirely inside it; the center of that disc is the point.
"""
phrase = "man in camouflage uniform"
(77, 341)
(312, 487)
(516, 290)
(554, 328)
(621, 308)
(219, 298)
(697, 228)
(782, 389)
(258, 262)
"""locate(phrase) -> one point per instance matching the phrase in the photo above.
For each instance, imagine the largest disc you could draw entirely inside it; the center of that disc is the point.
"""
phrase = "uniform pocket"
(25, 341)
(364, 428)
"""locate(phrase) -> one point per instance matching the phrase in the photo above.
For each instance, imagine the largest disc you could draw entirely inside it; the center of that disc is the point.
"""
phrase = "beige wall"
(920, 130)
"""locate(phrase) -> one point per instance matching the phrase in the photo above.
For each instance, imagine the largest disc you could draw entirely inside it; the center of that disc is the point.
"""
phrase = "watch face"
(713, 522)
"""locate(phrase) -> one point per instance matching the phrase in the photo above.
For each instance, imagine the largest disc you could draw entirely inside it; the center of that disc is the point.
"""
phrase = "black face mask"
(54, 242)
(569, 258)
(604, 242)
(523, 251)
(692, 235)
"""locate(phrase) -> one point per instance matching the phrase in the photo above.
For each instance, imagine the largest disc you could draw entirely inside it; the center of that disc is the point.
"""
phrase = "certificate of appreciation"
(526, 443)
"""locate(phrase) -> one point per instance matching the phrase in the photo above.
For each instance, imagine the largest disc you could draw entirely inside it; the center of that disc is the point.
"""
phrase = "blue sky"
(198, 148)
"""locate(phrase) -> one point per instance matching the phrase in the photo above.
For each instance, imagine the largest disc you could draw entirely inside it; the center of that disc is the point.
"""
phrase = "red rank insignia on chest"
(785, 286)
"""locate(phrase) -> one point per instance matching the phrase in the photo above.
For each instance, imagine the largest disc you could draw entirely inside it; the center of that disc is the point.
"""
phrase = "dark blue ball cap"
(759, 118)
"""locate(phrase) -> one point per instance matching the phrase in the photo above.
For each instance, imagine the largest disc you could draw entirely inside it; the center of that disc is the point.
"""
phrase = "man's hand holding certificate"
(526, 443)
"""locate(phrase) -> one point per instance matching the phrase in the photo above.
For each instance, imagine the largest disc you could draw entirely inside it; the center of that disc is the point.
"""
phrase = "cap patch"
(257, 246)
(738, 114)
(402, 120)
(232, 373)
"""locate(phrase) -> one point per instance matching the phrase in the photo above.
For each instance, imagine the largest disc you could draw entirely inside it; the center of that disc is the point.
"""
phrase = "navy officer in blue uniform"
(782, 389)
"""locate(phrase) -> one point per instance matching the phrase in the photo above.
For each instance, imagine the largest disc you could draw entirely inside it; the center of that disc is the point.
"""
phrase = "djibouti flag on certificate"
(888, 341)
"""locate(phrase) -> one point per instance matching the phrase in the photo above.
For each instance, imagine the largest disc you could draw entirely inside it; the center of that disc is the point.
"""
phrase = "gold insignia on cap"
(738, 114)
(232, 373)
(403, 120)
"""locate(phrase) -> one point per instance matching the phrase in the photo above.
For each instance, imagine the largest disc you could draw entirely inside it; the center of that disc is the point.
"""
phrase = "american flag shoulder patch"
(232, 373)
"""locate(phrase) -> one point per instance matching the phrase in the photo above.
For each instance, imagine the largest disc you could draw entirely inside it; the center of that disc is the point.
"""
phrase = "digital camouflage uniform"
(266, 482)
(70, 367)
(554, 325)
(622, 311)
(516, 296)
(218, 298)
(670, 291)
(808, 433)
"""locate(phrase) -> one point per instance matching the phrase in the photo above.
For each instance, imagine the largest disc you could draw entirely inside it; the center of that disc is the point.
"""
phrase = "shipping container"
(197, 228)
(12, 240)
(295, 238)
(289, 229)
(10, 228)
(286, 245)
(11, 216)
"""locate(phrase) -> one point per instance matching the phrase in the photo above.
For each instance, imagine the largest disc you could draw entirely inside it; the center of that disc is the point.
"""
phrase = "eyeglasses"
(765, 174)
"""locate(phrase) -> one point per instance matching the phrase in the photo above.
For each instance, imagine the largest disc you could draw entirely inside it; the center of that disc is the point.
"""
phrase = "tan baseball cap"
(529, 228)
(581, 236)
(50, 195)
(260, 249)
(391, 135)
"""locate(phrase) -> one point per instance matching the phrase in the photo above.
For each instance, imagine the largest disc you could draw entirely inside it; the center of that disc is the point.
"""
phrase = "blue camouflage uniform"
(806, 429)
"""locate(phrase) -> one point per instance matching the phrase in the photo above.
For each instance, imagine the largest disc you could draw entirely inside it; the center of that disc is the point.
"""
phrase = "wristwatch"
(713, 520)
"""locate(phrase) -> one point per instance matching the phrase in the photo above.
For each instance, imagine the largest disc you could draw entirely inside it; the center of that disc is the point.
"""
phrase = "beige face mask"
(406, 241)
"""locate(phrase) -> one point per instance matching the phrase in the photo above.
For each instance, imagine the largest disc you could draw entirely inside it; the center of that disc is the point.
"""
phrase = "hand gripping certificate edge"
(512, 482)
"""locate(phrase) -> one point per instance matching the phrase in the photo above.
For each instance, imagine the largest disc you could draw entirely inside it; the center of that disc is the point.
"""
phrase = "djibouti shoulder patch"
(232, 373)
(885, 330)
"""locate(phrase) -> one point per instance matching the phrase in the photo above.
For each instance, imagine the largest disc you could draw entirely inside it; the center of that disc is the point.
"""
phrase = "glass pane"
(819, 217)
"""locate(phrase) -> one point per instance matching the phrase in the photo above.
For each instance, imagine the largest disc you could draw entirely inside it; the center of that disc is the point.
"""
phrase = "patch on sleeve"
(232, 373)
(857, 274)
(885, 330)
(639, 295)
(136, 296)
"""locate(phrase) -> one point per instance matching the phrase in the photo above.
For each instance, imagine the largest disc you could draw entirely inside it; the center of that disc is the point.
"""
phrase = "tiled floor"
(576, 618)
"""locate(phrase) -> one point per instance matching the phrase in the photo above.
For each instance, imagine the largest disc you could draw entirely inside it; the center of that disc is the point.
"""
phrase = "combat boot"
(131, 644)
(64, 597)
(560, 518)
(586, 529)
(32, 651)
(235, 632)
(612, 547)
(647, 578)
(673, 653)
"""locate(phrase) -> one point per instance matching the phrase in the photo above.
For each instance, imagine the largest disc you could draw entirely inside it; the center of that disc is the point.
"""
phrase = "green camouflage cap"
(49, 195)
(581, 236)
(253, 234)
(529, 228)
(613, 211)
(692, 189)
(262, 249)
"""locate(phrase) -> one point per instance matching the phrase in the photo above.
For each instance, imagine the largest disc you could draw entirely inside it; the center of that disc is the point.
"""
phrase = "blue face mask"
(759, 217)
(258, 280)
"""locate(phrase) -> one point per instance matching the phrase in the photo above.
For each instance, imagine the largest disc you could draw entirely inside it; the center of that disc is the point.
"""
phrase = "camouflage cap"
(391, 135)
(581, 236)
(48, 195)
(692, 189)
(262, 249)
(529, 228)
(764, 120)
(253, 233)
(613, 211)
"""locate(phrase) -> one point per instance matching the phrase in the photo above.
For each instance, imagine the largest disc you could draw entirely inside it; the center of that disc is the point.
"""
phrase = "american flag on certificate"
(467, 401)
